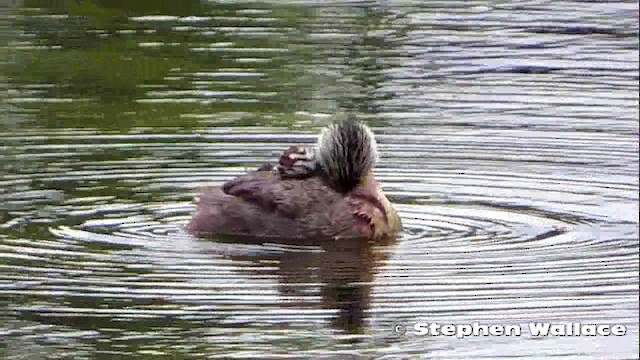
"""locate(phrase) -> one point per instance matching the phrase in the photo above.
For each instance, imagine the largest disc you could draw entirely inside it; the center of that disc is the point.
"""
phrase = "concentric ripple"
(509, 146)
(464, 255)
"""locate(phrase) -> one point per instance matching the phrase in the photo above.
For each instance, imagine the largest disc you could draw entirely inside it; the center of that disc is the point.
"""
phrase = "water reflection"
(88, 61)
(343, 270)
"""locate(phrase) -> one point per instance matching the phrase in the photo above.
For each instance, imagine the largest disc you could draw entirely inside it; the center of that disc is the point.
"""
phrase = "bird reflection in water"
(344, 270)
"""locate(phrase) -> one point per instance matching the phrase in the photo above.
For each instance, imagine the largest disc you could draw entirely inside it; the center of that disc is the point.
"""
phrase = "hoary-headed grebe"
(325, 192)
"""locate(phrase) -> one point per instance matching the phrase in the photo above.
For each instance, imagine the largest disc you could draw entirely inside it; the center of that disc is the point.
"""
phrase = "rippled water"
(509, 142)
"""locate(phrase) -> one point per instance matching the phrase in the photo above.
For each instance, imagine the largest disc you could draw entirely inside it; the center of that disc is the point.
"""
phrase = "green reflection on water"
(97, 66)
(106, 64)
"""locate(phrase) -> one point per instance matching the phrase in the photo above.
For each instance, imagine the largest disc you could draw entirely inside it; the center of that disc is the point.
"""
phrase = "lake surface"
(508, 135)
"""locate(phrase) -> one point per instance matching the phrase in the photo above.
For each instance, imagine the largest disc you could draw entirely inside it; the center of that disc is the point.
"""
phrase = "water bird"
(328, 191)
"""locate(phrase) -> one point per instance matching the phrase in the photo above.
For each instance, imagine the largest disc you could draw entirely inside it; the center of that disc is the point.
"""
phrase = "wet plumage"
(327, 192)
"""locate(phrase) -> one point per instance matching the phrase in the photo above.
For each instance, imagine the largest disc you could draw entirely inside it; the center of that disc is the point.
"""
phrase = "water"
(509, 142)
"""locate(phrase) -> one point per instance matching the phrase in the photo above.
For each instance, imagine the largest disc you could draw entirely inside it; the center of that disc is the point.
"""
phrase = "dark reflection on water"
(509, 142)
(344, 270)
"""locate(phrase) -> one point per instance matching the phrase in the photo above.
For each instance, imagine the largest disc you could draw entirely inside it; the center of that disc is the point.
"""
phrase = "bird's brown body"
(266, 203)
(262, 204)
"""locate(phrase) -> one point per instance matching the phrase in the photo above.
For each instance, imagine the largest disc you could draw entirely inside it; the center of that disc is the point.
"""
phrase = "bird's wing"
(267, 190)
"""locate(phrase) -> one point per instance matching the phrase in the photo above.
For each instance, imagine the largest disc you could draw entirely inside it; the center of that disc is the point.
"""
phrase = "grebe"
(328, 191)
